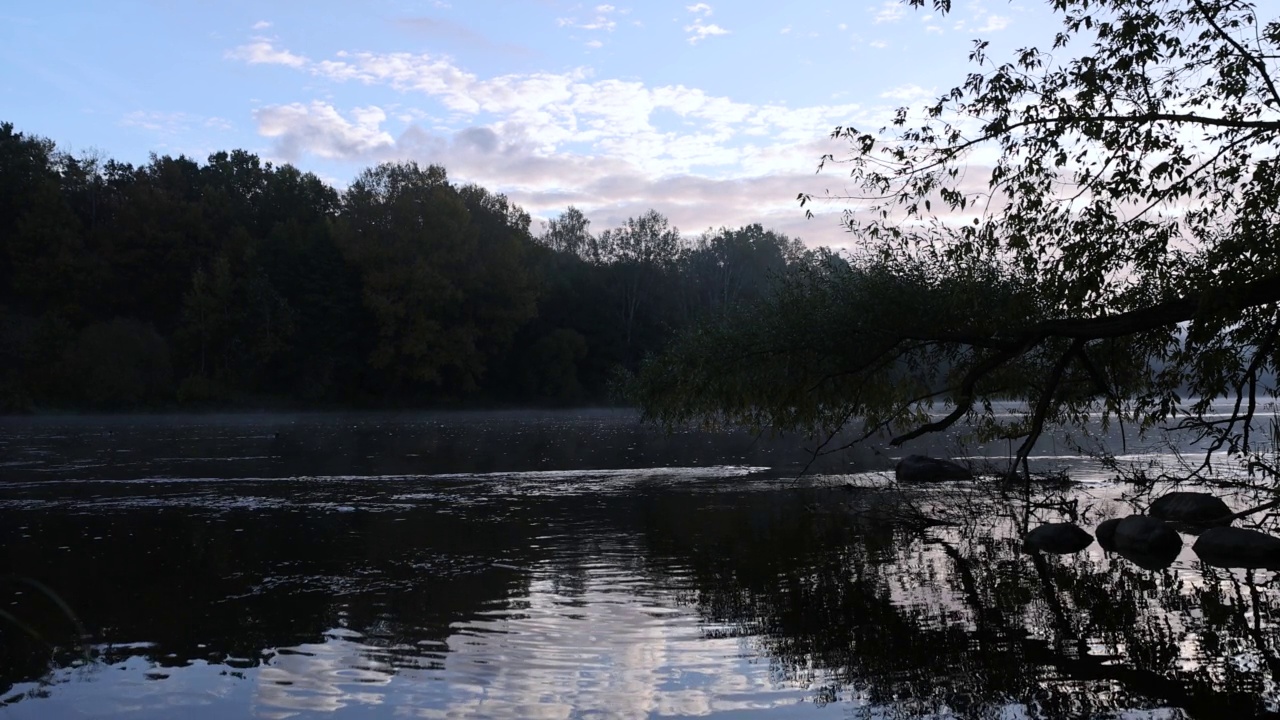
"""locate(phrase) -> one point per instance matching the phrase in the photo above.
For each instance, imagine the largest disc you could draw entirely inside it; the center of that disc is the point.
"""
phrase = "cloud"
(702, 32)
(318, 129)
(994, 23)
(599, 22)
(890, 11)
(261, 25)
(450, 31)
(172, 123)
(907, 93)
(613, 147)
(261, 52)
(699, 8)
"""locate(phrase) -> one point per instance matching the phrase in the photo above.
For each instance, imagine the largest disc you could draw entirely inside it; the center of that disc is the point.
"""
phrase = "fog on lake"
(580, 564)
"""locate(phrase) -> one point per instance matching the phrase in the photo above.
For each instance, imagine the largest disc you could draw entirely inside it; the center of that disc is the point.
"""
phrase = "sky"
(714, 113)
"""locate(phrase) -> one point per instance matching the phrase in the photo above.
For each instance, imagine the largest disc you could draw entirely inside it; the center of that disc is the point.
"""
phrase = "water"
(574, 565)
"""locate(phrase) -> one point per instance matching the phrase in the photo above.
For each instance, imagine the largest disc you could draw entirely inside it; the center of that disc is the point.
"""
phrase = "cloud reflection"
(609, 646)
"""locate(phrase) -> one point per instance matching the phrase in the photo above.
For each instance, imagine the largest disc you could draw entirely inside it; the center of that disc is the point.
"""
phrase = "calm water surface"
(574, 565)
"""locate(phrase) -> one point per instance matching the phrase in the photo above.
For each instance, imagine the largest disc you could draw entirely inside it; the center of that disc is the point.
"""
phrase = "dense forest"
(239, 283)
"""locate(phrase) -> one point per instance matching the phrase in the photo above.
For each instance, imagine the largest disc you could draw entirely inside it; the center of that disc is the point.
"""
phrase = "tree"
(440, 270)
(570, 233)
(1119, 256)
(729, 267)
(639, 252)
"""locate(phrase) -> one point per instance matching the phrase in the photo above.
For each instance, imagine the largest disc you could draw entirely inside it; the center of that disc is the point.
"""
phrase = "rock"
(1139, 534)
(919, 468)
(1238, 547)
(1191, 507)
(1058, 538)
(1106, 533)
(1144, 541)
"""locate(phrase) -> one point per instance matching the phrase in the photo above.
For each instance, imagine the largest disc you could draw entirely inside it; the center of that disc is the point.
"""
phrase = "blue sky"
(715, 113)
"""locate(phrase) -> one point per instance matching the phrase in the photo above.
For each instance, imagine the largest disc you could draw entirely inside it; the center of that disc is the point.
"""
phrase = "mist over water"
(576, 564)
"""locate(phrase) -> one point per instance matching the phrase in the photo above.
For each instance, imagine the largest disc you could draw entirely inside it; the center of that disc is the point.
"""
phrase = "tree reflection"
(963, 621)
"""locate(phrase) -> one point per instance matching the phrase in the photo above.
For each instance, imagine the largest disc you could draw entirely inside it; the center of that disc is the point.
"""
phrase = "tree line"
(237, 282)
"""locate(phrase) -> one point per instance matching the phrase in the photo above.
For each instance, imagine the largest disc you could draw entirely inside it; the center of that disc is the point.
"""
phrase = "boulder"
(1139, 534)
(1238, 547)
(1191, 507)
(1106, 533)
(1058, 538)
(1144, 541)
(919, 468)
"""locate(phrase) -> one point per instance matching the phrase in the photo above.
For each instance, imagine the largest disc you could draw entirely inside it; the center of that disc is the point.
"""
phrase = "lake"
(579, 565)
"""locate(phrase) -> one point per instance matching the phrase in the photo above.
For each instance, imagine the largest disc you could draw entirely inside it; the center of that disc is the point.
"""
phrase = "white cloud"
(701, 32)
(994, 23)
(261, 25)
(261, 52)
(786, 30)
(319, 129)
(907, 93)
(842, 26)
(594, 44)
(699, 8)
(878, 44)
(553, 139)
(890, 11)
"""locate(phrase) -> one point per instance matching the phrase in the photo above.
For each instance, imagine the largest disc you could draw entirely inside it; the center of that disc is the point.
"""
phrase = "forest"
(239, 283)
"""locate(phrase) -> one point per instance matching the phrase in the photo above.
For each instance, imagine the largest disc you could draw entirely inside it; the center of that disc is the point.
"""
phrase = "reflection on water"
(718, 589)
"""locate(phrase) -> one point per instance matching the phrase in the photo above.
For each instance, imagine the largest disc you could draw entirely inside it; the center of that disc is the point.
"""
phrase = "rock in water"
(1058, 538)
(1144, 541)
(1191, 507)
(1146, 535)
(1106, 533)
(1238, 547)
(919, 468)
